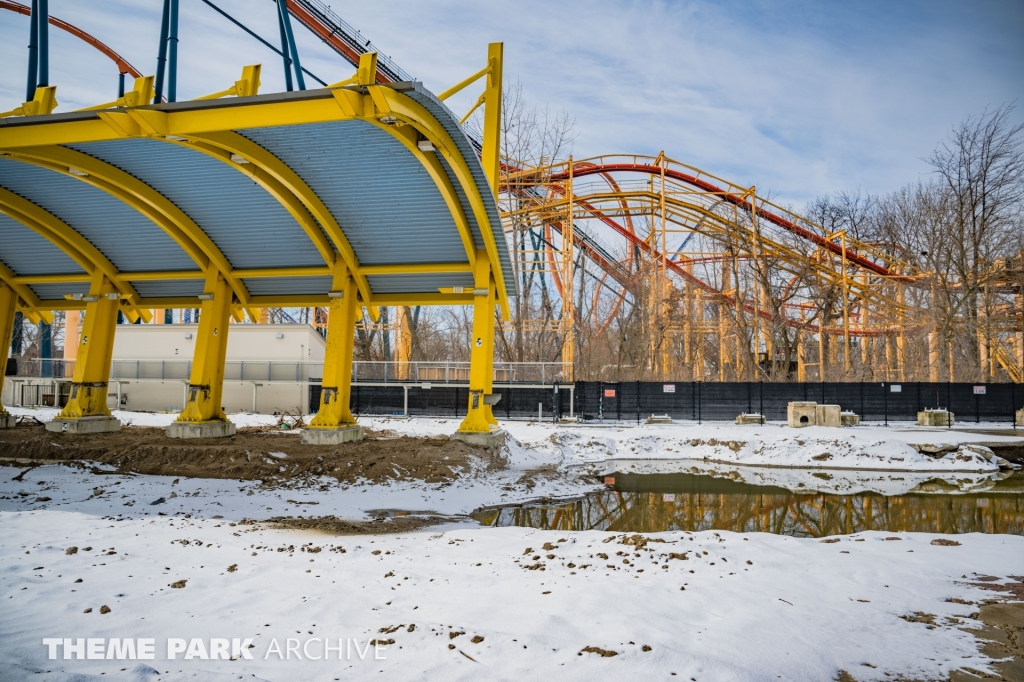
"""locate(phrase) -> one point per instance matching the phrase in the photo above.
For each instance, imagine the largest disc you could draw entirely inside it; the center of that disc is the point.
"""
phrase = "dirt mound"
(335, 526)
(250, 455)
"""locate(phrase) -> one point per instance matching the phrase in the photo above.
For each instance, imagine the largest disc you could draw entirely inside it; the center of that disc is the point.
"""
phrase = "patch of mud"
(252, 454)
(332, 525)
(1001, 636)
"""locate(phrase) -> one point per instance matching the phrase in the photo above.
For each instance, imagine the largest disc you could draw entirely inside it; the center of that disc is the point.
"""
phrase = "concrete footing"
(828, 415)
(493, 439)
(84, 425)
(800, 414)
(1020, 417)
(658, 419)
(750, 418)
(7, 421)
(345, 434)
(217, 429)
(849, 419)
(935, 418)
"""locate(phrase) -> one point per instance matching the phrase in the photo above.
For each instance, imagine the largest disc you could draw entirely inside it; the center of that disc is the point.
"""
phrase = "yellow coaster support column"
(86, 411)
(8, 306)
(203, 416)
(334, 422)
(479, 419)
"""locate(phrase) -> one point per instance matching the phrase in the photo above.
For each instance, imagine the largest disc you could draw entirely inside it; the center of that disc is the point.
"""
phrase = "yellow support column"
(480, 427)
(8, 306)
(86, 411)
(203, 416)
(334, 422)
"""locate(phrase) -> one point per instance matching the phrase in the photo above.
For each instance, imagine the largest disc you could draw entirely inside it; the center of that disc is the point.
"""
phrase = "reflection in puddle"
(654, 497)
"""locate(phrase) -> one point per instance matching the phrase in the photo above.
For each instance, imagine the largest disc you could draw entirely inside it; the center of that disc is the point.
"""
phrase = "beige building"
(268, 369)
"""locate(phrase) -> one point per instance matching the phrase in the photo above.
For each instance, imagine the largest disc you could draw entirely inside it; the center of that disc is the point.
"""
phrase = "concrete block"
(849, 419)
(935, 418)
(216, 429)
(799, 414)
(493, 439)
(84, 425)
(828, 415)
(345, 434)
(1020, 417)
(8, 421)
(658, 419)
(750, 419)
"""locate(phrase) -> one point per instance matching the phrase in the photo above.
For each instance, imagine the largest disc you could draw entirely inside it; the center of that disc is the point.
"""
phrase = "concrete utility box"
(935, 418)
(1020, 417)
(828, 415)
(750, 419)
(659, 419)
(849, 419)
(799, 414)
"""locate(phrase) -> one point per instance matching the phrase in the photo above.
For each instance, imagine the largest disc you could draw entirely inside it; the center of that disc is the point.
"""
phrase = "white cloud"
(798, 98)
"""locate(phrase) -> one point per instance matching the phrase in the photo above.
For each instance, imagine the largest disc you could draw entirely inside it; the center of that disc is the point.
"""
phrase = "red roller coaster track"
(123, 65)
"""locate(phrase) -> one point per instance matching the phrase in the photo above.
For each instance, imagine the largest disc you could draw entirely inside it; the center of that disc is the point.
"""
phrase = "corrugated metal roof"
(26, 252)
(287, 285)
(128, 239)
(382, 197)
(169, 288)
(51, 292)
(401, 284)
(246, 223)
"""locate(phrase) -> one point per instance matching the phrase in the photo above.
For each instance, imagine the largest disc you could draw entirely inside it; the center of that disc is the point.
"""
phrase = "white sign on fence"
(979, 390)
(668, 388)
(896, 388)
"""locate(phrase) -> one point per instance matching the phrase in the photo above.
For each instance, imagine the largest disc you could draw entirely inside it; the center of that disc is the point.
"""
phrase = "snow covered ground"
(459, 602)
(88, 553)
(868, 447)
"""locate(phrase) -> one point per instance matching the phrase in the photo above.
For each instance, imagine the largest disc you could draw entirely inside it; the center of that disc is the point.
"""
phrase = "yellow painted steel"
(206, 385)
(479, 418)
(142, 93)
(336, 389)
(274, 168)
(43, 102)
(415, 268)
(29, 300)
(491, 156)
(61, 235)
(8, 306)
(95, 351)
(247, 86)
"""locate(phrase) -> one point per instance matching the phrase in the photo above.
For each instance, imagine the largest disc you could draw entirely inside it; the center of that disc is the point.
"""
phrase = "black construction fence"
(697, 401)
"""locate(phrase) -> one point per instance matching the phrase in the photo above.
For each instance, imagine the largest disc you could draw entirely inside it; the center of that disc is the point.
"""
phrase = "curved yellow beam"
(409, 137)
(140, 196)
(280, 176)
(28, 296)
(61, 235)
(273, 187)
(406, 109)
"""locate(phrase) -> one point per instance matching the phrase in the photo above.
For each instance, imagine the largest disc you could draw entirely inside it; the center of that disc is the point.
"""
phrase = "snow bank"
(469, 603)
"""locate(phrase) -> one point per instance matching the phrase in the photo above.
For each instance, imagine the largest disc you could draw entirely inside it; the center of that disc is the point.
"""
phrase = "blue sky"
(798, 98)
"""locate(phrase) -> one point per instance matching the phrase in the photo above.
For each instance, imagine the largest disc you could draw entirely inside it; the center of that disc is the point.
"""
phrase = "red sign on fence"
(979, 390)
(609, 393)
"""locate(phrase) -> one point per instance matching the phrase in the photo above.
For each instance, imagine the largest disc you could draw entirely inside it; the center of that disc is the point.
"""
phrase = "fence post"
(700, 387)
(885, 402)
(638, 402)
(600, 400)
(760, 407)
(405, 400)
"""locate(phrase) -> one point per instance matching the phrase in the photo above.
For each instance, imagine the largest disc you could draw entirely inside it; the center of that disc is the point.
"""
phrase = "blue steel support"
(120, 85)
(286, 19)
(172, 54)
(43, 27)
(161, 56)
(45, 350)
(33, 52)
(284, 51)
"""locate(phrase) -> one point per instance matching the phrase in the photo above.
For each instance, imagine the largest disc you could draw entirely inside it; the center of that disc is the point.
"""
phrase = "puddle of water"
(802, 503)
